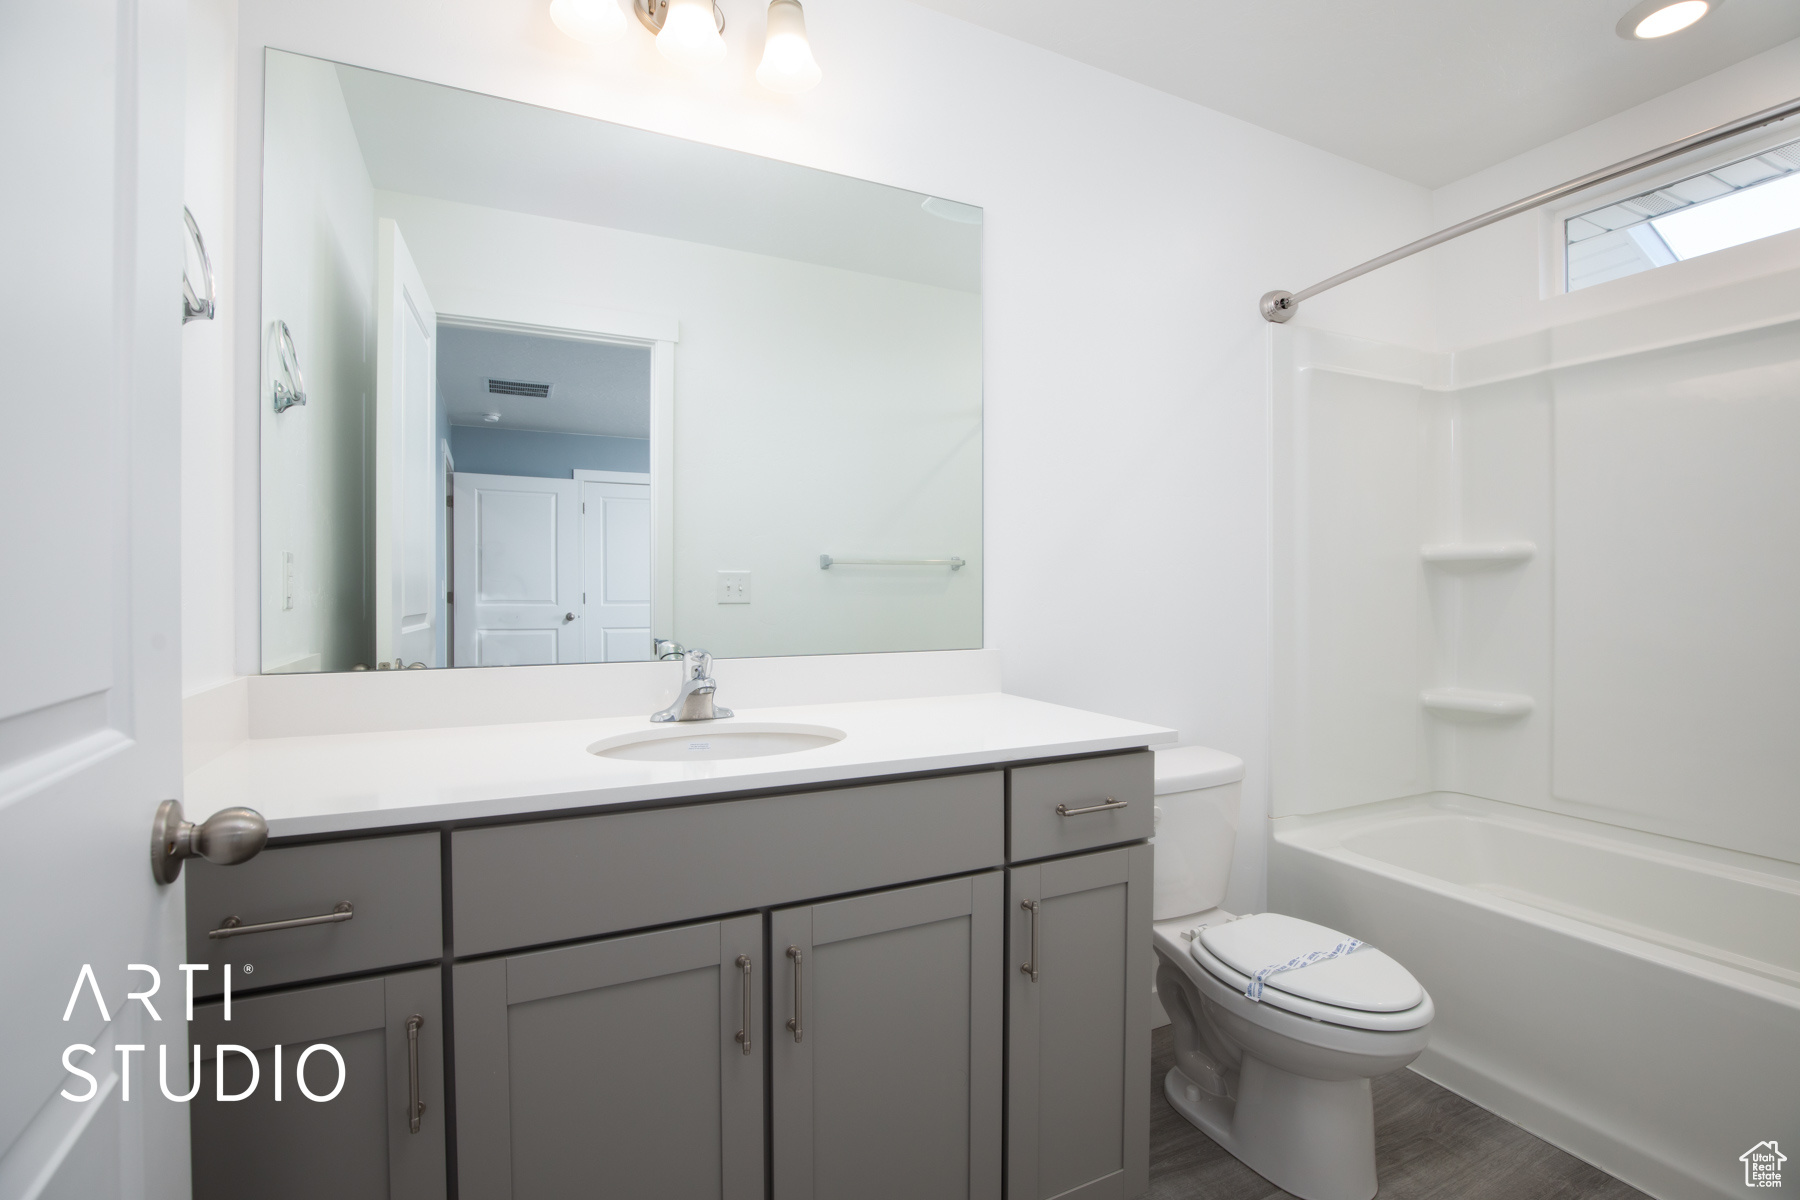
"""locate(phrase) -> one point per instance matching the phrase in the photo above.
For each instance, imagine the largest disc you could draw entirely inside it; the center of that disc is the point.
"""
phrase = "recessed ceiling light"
(490, 417)
(1660, 18)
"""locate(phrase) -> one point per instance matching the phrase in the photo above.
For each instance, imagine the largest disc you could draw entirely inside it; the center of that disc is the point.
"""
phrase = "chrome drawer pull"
(415, 1107)
(743, 1035)
(793, 952)
(232, 927)
(1031, 968)
(1111, 805)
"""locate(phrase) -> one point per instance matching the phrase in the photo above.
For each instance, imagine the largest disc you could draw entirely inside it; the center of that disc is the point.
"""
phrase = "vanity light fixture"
(1659, 18)
(787, 63)
(687, 31)
(595, 22)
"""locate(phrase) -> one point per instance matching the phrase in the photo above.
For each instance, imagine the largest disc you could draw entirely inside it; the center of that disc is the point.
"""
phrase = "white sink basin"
(698, 741)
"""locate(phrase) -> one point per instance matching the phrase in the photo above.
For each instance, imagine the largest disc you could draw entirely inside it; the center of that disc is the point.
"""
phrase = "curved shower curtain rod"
(1280, 306)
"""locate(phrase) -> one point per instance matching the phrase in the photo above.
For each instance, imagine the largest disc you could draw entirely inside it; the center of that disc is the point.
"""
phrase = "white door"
(406, 483)
(518, 571)
(90, 647)
(615, 570)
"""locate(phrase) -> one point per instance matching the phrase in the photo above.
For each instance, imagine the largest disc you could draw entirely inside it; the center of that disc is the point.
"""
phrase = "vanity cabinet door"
(885, 1044)
(276, 1143)
(615, 1068)
(1079, 973)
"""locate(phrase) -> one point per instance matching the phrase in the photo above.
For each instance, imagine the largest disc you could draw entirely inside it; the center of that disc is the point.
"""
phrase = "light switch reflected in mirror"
(565, 376)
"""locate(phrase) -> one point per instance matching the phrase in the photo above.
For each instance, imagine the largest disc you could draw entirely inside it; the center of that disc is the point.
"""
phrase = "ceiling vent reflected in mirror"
(513, 387)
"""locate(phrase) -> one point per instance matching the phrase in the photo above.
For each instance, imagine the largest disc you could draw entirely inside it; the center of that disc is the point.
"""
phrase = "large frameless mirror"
(538, 388)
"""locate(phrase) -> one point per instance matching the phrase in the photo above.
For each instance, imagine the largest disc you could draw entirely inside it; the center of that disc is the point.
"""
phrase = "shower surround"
(1536, 663)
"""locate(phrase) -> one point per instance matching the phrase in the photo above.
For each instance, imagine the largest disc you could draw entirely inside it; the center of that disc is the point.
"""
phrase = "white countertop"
(343, 782)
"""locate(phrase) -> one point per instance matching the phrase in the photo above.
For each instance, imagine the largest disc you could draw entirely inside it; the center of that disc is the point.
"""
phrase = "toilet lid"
(1363, 980)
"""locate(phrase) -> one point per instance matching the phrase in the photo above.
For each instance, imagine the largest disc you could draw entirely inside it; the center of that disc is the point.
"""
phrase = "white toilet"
(1281, 1081)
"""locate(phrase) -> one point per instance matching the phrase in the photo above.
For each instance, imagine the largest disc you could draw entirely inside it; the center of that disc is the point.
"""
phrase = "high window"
(1751, 198)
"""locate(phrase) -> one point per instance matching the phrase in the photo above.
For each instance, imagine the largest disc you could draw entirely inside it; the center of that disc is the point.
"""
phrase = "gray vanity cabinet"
(849, 1035)
(1079, 1027)
(368, 1142)
(885, 1044)
(627, 1067)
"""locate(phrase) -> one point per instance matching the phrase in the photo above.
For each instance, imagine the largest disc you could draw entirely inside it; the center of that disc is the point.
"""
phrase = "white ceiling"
(432, 140)
(595, 387)
(1429, 90)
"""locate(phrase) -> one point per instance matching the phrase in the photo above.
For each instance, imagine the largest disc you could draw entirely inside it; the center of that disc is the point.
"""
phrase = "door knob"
(567, 617)
(231, 835)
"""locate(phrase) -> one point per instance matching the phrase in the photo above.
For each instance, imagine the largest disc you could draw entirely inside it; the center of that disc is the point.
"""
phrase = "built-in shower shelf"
(1476, 555)
(1467, 703)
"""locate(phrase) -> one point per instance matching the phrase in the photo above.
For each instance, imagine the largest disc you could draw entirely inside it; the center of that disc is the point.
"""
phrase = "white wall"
(209, 414)
(816, 410)
(1128, 237)
(319, 224)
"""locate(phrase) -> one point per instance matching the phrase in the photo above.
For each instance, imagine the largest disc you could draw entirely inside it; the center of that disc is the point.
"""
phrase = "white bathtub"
(1631, 998)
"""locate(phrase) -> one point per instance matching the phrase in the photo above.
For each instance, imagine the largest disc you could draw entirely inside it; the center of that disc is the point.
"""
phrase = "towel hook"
(193, 308)
(291, 391)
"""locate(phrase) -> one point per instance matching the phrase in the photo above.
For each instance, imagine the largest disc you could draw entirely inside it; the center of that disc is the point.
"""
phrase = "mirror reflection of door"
(615, 565)
(552, 542)
(406, 484)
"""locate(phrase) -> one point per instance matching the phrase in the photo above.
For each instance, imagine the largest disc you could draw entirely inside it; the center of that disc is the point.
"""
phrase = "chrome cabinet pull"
(415, 1107)
(743, 1035)
(232, 927)
(793, 952)
(1111, 805)
(1031, 968)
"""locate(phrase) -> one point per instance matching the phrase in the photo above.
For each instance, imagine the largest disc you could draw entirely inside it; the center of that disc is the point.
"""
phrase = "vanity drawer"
(552, 881)
(391, 885)
(1039, 830)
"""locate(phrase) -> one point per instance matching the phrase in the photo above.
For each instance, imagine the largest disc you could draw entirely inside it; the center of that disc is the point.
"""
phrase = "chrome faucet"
(694, 702)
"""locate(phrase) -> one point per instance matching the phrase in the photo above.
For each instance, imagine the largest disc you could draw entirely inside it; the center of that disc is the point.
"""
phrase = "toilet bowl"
(1273, 1052)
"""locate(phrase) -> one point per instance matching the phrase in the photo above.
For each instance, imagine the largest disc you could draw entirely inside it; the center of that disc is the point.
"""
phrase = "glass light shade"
(690, 36)
(592, 21)
(787, 63)
(1672, 19)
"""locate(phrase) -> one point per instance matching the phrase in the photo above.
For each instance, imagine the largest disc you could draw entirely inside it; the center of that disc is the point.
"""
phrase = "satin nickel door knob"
(231, 835)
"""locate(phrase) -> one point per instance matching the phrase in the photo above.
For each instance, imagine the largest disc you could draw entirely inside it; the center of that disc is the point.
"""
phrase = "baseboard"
(1591, 1143)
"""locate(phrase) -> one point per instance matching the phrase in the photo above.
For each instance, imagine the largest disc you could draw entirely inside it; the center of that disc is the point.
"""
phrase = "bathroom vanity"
(847, 971)
(885, 948)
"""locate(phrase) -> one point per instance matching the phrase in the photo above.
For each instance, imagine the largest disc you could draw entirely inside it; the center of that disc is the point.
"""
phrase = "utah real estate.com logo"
(1762, 1165)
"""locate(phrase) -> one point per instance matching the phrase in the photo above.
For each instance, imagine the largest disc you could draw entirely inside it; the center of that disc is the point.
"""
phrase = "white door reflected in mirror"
(616, 565)
(406, 485)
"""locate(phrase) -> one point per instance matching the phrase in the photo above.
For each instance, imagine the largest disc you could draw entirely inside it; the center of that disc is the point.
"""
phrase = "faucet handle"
(699, 664)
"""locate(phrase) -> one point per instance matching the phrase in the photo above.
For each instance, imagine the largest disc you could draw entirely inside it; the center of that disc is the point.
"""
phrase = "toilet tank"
(1197, 792)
